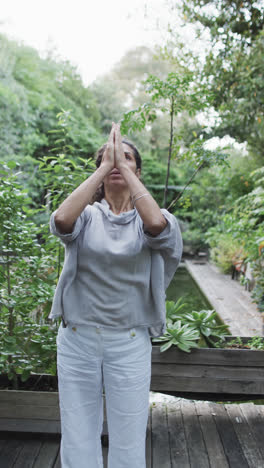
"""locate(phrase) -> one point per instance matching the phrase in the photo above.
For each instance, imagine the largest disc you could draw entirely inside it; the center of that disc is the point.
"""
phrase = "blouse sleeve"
(169, 240)
(78, 225)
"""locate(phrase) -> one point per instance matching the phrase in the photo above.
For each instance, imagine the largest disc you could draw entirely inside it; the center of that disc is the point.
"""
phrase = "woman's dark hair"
(100, 193)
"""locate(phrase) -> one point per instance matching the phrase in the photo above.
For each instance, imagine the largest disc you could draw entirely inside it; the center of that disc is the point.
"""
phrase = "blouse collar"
(122, 218)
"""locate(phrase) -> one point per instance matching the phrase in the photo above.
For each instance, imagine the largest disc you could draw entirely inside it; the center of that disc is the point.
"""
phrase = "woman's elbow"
(157, 228)
(62, 227)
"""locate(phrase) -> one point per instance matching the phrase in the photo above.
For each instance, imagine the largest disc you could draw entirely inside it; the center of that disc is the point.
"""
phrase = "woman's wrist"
(104, 168)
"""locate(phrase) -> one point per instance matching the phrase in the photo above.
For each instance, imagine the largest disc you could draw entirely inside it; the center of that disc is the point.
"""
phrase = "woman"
(121, 253)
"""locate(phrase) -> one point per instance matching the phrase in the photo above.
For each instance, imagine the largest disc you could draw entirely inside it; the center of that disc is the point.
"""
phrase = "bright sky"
(93, 35)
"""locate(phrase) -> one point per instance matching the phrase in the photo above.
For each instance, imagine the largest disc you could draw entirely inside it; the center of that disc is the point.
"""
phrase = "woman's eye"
(127, 156)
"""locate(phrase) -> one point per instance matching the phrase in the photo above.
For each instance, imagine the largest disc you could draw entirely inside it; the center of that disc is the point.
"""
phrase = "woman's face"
(114, 178)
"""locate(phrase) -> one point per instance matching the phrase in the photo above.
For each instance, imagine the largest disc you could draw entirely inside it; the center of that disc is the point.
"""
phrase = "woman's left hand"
(120, 158)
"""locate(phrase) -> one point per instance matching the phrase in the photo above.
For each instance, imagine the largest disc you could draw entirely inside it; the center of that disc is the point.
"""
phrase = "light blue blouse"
(114, 273)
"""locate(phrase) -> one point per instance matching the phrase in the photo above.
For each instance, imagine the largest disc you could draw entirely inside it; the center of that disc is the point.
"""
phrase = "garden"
(50, 130)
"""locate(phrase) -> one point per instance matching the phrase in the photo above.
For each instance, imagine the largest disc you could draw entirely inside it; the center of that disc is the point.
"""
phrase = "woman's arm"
(152, 217)
(74, 204)
(149, 211)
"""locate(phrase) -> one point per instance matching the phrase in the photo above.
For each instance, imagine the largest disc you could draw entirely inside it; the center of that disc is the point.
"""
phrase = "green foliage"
(173, 309)
(256, 342)
(258, 271)
(50, 127)
(61, 173)
(153, 176)
(29, 270)
(239, 90)
(200, 157)
(205, 322)
(32, 92)
(171, 95)
(241, 231)
(197, 154)
(24, 284)
(228, 20)
(185, 329)
(194, 237)
(234, 68)
(225, 250)
(180, 335)
(212, 195)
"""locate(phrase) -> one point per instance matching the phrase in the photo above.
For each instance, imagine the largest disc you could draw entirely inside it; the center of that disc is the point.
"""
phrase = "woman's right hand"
(108, 159)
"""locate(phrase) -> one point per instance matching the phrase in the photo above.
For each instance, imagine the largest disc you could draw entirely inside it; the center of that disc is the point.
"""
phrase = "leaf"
(12, 164)
(183, 347)
(25, 375)
(165, 346)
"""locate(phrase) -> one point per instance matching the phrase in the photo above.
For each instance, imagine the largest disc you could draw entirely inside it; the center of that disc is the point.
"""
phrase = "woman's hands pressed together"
(120, 158)
(153, 219)
(114, 155)
(108, 159)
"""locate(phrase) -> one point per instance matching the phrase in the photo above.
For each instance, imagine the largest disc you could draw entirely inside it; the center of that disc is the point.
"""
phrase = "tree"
(121, 89)
(234, 67)
(172, 96)
(232, 21)
(32, 92)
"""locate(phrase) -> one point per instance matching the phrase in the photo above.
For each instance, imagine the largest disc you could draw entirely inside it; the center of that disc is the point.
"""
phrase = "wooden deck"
(181, 433)
(229, 299)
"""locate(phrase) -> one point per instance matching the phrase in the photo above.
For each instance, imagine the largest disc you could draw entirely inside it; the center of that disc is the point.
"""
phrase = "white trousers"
(89, 358)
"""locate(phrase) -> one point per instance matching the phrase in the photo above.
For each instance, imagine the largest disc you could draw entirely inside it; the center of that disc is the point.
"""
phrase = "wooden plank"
(245, 436)
(233, 451)
(219, 397)
(30, 425)
(178, 447)
(10, 452)
(211, 356)
(175, 371)
(2, 442)
(9, 410)
(198, 384)
(48, 453)
(160, 437)
(26, 397)
(28, 454)
(194, 436)
(254, 415)
(212, 440)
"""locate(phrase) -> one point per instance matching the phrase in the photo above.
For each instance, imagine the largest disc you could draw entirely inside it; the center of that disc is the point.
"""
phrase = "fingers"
(118, 138)
(111, 139)
(111, 134)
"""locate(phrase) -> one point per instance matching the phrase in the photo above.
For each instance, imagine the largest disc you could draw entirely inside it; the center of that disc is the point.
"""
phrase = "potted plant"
(214, 368)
